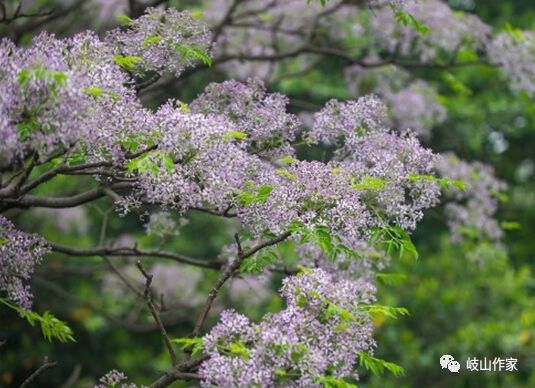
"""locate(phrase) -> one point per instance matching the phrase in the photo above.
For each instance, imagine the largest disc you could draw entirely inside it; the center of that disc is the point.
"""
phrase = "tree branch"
(155, 314)
(46, 365)
(134, 251)
(229, 272)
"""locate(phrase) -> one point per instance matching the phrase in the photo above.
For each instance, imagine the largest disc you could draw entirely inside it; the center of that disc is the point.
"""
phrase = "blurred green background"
(457, 306)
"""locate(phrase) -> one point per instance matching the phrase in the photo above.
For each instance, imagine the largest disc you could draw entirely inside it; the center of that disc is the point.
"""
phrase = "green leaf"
(378, 366)
(151, 162)
(323, 238)
(286, 174)
(455, 84)
(128, 63)
(334, 382)
(510, 225)
(197, 14)
(152, 40)
(259, 261)
(444, 183)
(407, 19)
(391, 278)
(239, 349)
(394, 238)
(370, 183)
(255, 194)
(235, 135)
(94, 91)
(288, 160)
(28, 127)
(53, 78)
(263, 193)
(516, 33)
(194, 52)
(51, 327)
(466, 54)
(190, 344)
(322, 2)
(381, 310)
(124, 20)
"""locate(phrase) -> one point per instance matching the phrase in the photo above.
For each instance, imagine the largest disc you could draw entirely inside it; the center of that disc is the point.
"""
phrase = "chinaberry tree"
(74, 107)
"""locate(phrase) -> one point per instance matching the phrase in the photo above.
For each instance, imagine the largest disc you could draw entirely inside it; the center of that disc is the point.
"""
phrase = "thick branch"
(63, 202)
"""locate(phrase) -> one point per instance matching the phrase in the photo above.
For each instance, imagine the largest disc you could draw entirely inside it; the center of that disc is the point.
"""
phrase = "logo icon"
(454, 367)
(447, 361)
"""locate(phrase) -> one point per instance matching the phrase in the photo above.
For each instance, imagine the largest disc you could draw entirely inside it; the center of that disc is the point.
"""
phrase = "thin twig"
(155, 314)
(46, 365)
(134, 251)
(229, 272)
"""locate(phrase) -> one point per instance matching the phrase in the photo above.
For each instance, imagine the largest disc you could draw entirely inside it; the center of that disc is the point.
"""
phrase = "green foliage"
(334, 382)
(238, 349)
(286, 174)
(381, 310)
(55, 78)
(444, 183)
(124, 20)
(510, 225)
(320, 235)
(193, 345)
(28, 127)
(152, 40)
(235, 135)
(254, 194)
(193, 52)
(378, 366)
(466, 54)
(128, 63)
(322, 2)
(406, 19)
(516, 33)
(94, 91)
(391, 279)
(133, 142)
(259, 261)
(51, 327)
(369, 183)
(333, 310)
(151, 162)
(394, 239)
(198, 14)
(288, 160)
(455, 84)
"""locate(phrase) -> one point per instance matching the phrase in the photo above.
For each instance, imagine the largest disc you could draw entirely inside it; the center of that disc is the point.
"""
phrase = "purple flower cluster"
(413, 104)
(471, 212)
(259, 115)
(76, 95)
(19, 253)
(65, 96)
(448, 30)
(370, 261)
(200, 159)
(114, 379)
(513, 51)
(322, 330)
(349, 121)
(162, 40)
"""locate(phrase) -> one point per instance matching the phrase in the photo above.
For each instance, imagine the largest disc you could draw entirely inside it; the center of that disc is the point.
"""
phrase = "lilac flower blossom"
(19, 253)
(471, 212)
(320, 330)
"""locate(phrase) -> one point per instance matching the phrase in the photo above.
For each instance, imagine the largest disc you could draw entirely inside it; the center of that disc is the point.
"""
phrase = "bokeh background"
(459, 303)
